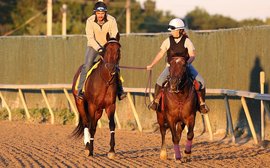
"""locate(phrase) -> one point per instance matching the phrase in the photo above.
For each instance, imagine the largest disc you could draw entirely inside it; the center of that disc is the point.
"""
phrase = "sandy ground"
(44, 145)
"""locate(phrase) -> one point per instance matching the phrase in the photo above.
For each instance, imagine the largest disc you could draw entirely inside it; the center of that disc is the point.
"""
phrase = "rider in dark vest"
(179, 44)
(177, 49)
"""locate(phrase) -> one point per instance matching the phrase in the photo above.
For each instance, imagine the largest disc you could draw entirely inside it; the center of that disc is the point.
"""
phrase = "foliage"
(200, 19)
(6, 8)
(15, 13)
(40, 115)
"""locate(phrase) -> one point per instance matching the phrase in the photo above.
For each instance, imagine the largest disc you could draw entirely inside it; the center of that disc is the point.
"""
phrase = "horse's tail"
(78, 131)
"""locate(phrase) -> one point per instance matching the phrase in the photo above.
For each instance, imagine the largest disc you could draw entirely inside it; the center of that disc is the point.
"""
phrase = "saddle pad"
(88, 74)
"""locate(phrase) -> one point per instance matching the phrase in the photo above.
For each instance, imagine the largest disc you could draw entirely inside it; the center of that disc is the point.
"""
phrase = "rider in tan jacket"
(97, 27)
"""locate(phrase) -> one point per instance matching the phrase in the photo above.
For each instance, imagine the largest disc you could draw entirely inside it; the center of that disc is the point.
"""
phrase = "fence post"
(6, 105)
(24, 104)
(229, 117)
(206, 118)
(134, 111)
(117, 119)
(250, 123)
(48, 105)
(72, 106)
(262, 80)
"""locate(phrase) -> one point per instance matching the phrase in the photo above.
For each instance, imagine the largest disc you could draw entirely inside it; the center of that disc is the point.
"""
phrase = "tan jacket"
(96, 34)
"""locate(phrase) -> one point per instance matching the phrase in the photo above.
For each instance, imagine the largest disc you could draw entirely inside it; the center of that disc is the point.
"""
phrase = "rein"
(149, 80)
(107, 64)
(181, 85)
(112, 74)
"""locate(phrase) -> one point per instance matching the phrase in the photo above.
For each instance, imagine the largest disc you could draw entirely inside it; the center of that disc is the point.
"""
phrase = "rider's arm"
(89, 29)
(113, 26)
(159, 55)
(191, 50)
(163, 48)
(191, 56)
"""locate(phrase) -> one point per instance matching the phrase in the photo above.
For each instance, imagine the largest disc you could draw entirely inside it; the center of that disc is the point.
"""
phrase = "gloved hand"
(101, 51)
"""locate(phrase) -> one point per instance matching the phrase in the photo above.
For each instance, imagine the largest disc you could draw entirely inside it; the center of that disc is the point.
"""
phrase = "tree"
(26, 10)
(6, 8)
(200, 19)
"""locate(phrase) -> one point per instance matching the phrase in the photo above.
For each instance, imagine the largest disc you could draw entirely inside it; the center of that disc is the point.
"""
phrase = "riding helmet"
(176, 24)
(100, 6)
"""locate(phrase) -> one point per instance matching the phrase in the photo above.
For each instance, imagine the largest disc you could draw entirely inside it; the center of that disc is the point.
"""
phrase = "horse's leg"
(83, 126)
(110, 113)
(162, 127)
(175, 137)
(94, 116)
(190, 135)
(82, 112)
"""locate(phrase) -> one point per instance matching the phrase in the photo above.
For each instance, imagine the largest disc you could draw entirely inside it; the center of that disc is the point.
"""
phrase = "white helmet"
(176, 24)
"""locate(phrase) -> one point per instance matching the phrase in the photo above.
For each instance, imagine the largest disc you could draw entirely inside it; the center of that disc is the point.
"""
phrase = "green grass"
(61, 116)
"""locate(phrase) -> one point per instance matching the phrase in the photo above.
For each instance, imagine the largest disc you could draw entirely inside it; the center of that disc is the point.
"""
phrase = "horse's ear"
(117, 37)
(108, 36)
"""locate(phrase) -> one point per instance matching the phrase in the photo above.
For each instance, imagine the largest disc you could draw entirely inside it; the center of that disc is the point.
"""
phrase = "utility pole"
(128, 16)
(64, 19)
(49, 17)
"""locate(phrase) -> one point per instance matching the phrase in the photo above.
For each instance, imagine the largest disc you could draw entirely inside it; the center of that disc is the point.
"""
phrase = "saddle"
(88, 74)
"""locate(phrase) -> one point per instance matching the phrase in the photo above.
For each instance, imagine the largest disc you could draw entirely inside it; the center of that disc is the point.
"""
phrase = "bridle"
(179, 81)
(110, 67)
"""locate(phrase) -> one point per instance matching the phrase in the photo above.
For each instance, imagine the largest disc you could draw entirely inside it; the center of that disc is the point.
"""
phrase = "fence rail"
(66, 87)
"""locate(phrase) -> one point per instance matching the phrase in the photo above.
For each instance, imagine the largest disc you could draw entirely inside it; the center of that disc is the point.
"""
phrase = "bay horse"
(178, 108)
(100, 93)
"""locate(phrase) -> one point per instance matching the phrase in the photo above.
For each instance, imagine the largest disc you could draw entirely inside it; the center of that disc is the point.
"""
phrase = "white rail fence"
(225, 92)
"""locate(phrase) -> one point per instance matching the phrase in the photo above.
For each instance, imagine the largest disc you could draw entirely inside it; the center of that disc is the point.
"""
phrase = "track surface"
(43, 145)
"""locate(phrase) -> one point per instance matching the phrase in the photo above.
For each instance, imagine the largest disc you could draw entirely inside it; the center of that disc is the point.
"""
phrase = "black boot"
(155, 103)
(120, 91)
(201, 96)
(80, 94)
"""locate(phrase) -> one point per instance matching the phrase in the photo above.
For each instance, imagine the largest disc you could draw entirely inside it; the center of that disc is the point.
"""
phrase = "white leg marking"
(86, 136)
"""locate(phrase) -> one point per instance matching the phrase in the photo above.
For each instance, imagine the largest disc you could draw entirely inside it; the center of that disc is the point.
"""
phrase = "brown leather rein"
(149, 80)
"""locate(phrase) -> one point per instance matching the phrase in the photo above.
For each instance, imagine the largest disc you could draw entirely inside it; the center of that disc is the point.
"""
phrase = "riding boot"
(81, 82)
(120, 91)
(203, 107)
(155, 103)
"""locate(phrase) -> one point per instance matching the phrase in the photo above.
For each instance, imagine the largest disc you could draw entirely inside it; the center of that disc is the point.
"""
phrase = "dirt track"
(44, 145)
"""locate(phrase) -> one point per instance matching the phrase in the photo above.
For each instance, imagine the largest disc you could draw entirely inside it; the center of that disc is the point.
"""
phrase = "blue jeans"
(90, 55)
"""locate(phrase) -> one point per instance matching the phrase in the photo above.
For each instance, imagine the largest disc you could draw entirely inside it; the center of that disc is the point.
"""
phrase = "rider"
(178, 42)
(97, 26)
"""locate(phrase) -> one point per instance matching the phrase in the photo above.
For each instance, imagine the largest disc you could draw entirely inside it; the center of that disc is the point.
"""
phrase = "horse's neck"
(105, 75)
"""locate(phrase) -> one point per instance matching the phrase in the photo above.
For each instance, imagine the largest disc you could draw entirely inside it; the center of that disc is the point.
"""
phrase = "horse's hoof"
(87, 152)
(186, 158)
(178, 161)
(163, 155)
(111, 155)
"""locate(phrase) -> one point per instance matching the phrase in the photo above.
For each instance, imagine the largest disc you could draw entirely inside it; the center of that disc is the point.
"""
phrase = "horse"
(178, 108)
(100, 93)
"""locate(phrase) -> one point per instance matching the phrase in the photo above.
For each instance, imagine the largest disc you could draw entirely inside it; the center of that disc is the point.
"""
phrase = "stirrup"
(122, 95)
(79, 95)
(204, 108)
(153, 105)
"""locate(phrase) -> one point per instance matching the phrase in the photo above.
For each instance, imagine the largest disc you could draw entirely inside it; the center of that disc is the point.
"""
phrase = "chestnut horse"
(179, 106)
(100, 93)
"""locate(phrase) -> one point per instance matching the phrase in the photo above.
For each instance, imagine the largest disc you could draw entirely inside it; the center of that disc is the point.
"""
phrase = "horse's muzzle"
(174, 85)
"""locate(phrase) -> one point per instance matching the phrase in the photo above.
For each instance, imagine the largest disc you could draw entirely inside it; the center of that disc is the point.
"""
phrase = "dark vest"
(177, 49)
